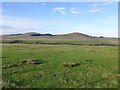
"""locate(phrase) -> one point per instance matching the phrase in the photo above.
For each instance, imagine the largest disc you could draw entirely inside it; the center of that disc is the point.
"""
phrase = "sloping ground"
(76, 35)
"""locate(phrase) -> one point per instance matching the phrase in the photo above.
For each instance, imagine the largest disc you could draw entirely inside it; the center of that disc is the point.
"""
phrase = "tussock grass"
(8, 84)
(70, 64)
(20, 63)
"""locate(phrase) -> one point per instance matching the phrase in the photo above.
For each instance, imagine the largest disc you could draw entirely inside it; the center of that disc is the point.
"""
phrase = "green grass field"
(62, 66)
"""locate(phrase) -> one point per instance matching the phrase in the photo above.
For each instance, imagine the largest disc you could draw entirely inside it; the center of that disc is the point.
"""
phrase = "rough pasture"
(61, 66)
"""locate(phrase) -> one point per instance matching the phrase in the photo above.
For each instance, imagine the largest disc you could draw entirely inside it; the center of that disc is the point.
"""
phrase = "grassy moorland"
(62, 65)
(72, 38)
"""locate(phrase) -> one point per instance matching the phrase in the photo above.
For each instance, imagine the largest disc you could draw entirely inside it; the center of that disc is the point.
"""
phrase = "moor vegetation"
(59, 62)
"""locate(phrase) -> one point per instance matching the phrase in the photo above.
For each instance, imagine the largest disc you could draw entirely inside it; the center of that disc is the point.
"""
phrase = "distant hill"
(35, 34)
(29, 34)
(76, 35)
(70, 38)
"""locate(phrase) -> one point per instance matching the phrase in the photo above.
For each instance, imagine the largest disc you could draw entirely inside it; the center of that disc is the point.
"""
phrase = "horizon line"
(61, 34)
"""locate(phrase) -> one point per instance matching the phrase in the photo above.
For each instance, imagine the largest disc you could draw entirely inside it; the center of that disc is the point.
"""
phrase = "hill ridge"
(68, 35)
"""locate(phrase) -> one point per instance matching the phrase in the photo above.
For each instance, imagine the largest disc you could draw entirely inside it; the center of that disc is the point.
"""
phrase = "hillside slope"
(76, 35)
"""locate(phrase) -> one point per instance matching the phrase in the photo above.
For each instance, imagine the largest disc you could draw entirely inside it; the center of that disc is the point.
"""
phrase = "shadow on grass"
(25, 62)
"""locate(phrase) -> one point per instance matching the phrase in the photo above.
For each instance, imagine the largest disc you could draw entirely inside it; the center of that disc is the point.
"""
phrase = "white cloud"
(61, 10)
(43, 4)
(99, 4)
(95, 5)
(57, 9)
(75, 11)
(95, 10)
(71, 10)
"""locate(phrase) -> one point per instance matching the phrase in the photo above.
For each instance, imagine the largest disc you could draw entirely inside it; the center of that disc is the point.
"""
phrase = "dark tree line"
(35, 34)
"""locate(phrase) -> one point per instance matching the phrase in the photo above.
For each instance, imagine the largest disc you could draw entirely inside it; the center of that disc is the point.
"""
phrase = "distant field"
(60, 66)
(60, 40)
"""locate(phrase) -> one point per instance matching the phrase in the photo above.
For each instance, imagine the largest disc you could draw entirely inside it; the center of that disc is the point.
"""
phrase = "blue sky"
(92, 18)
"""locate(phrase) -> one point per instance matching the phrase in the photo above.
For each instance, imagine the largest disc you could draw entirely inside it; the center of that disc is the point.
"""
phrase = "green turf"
(98, 66)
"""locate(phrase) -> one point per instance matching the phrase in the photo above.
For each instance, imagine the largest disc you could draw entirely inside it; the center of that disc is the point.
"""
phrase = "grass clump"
(29, 62)
(33, 62)
(70, 64)
(8, 84)
(19, 63)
